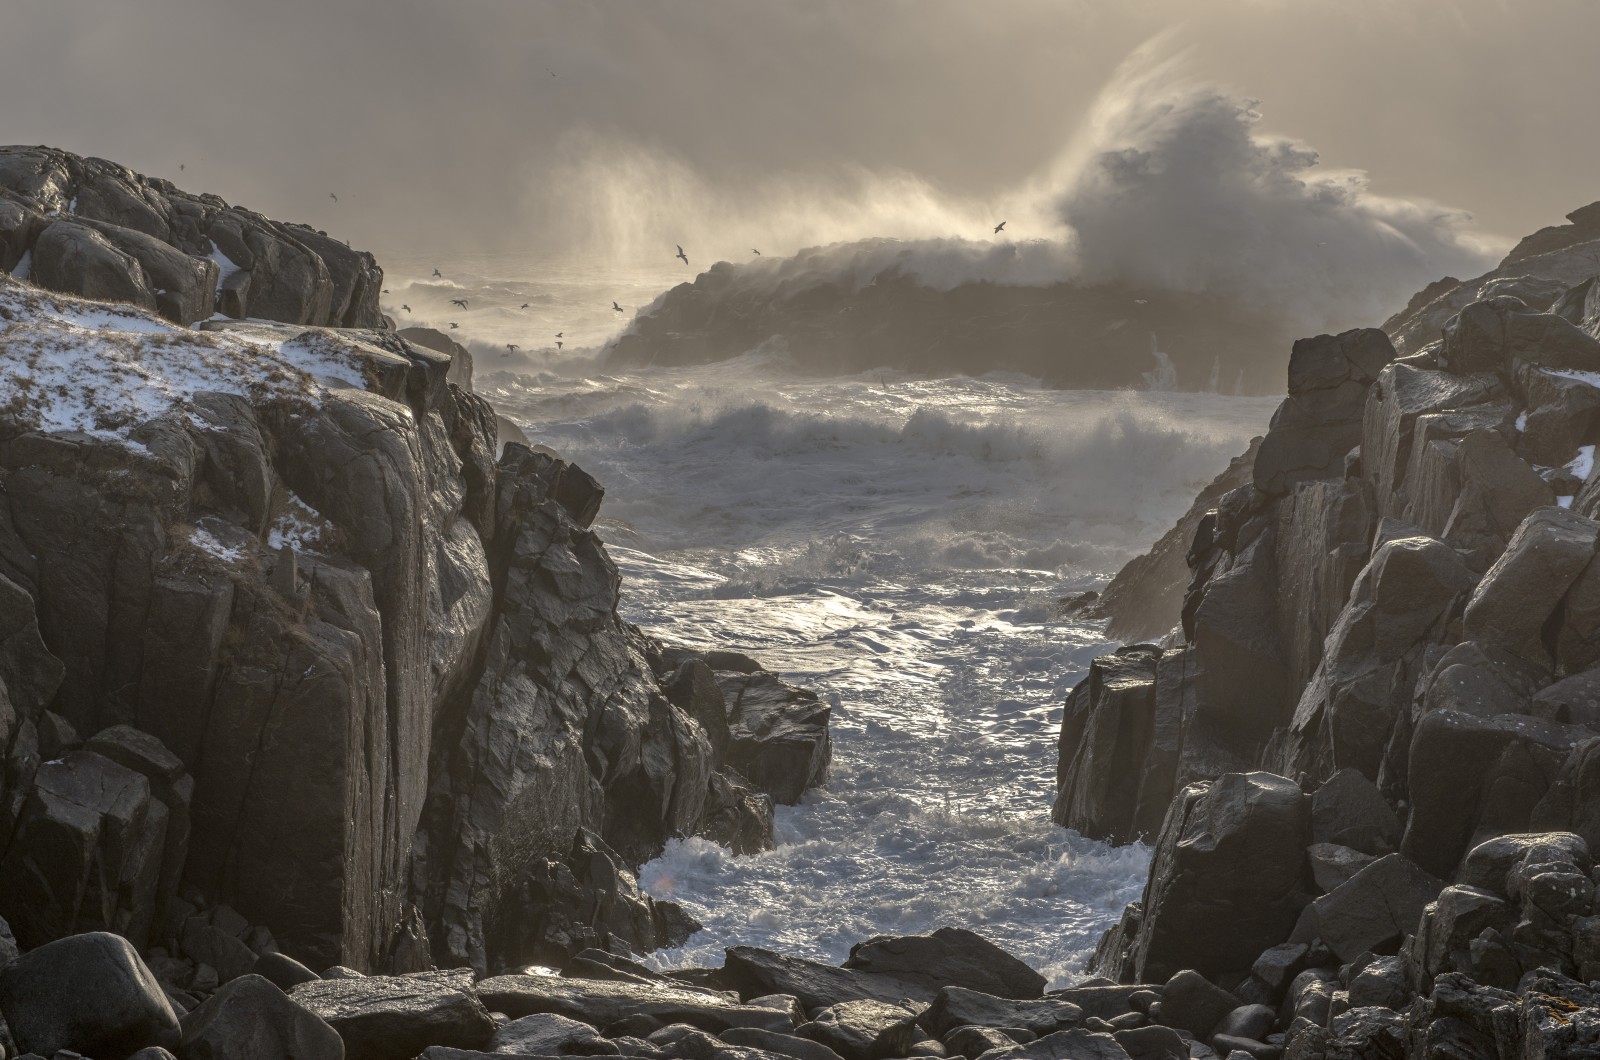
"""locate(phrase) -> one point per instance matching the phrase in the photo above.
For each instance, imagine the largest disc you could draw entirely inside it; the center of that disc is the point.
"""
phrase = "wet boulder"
(1511, 605)
(1106, 732)
(780, 1044)
(778, 734)
(87, 993)
(864, 1030)
(252, 1019)
(950, 956)
(1228, 878)
(736, 815)
(1349, 811)
(547, 1034)
(601, 1004)
(1193, 1003)
(1501, 333)
(383, 1017)
(184, 286)
(956, 1006)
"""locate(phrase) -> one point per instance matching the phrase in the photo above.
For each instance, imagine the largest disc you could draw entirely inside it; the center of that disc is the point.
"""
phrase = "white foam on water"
(898, 544)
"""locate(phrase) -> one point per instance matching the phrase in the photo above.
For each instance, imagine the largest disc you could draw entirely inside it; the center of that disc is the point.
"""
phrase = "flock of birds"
(512, 347)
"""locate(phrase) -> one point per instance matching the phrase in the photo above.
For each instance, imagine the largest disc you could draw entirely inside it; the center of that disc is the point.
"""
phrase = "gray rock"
(282, 971)
(204, 943)
(736, 815)
(1227, 877)
(184, 287)
(395, 1017)
(252, 1019)
(1106, 732)
(956, 1006)
(1381, 983)
(547, 1034)
(778, 734)
(1076, 1044)
(1152, 1043)
(754, 971)
(1372, 910)
(89, 993)
(75, 259)
(948, 957)
(1526, 584)
(1247, 1021)
(601, 1004)
(1349, 811)
(864, 1030)
(1192, 1003)
(780, 1044)
(970, 1040)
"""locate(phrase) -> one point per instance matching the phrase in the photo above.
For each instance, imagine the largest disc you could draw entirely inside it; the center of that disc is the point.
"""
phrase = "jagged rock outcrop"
(337, 669)
(1392, 625)
(854, 307)
(90, 227)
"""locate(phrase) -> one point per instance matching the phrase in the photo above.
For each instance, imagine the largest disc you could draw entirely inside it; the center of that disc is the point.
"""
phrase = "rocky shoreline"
(309, 662)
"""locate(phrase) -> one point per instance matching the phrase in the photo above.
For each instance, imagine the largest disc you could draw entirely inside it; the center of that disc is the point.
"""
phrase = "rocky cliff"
(1366, 750)
(293, 657)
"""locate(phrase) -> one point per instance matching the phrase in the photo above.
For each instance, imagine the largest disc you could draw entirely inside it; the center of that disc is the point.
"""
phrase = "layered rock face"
(836, 309)
(90, 227)
(1365, 752)
(285, 646)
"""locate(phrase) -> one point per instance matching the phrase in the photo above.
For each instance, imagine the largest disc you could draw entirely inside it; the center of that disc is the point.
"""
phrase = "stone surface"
(89, 993)
(777, 734)
(1372, 910)
(547, 1034)
(949, 956)
(396, 1017)
(252, 1019)
(864, 1030)
(754, 971)
(956, 1006)
(1190, 1002)
(601, 1004)
(1349, 811)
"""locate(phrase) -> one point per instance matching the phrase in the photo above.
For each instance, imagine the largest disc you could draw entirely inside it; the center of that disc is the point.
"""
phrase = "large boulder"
(1320, 421)
(87, 993)
(864, 1030)
(778, 734)
(75, 259)
(1106, 732)
(396, 1017)
(950, 956)
(547, 1034)
(1228, 878)
(601, 1004)
(1514, 601)
(755, 972)
(1373, 910)
(1348, 810)
(956, 1006)
(252, 1019)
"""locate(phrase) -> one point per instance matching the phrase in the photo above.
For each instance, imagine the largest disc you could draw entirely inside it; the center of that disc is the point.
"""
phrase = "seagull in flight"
(615, 306)
(439, 274)
(560, 334)
(454, 325)
(386, 290)
(999, 228)
(756, 252)
(681, 254)
(558, 344)
(180, 167)
(1140, 301)
(406, 308)
(332, 196)
(524, 305)
(513, 347)
(462, 302)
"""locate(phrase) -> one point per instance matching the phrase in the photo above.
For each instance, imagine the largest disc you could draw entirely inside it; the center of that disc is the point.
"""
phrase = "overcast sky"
(510, 123)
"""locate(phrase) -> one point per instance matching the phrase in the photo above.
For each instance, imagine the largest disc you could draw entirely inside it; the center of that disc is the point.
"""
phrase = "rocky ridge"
(1365, 750)
(303, 660)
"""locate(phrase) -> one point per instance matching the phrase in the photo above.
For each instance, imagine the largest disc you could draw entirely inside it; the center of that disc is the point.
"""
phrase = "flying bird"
(454, 325)
(1140, 301)
(999, 227)
(524, 305)
(462, 302)
(180, 167)
(560, 334)
(332, 196)
(681, 254)
(513, 347)
(615, 306)
(756, 252)
(558, 344)
(406, 308)
(439, 274)
(386, 290)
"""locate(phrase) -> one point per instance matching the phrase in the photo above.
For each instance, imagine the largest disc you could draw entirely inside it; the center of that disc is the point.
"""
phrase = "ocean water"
(897, 543)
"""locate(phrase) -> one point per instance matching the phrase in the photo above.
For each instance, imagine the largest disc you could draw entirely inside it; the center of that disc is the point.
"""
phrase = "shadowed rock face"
(1395, 616)
(93, 228)
(335, 665)
(1067, 335)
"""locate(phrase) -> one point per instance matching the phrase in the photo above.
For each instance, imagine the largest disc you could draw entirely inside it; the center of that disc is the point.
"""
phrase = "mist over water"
(900, 545)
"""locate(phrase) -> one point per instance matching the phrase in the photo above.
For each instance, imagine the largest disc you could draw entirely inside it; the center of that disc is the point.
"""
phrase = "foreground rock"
(90, 994)
(396, 1017)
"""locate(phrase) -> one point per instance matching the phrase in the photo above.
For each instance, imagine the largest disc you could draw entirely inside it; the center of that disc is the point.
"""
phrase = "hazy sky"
(544, 126)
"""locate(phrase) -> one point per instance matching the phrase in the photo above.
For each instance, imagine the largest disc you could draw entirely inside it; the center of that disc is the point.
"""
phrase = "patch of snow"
(1522, 421)
(1577, 375)
(72, 207)
(299, 527)
(206, 542)
(103, 369)
(1564, 502)
(225, 264)
(1582, 464)
(24, 266)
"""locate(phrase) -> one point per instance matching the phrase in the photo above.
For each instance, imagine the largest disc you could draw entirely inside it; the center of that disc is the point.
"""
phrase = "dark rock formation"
(853, 307)
(100, 230)
(88, 993)
(1397, 618)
